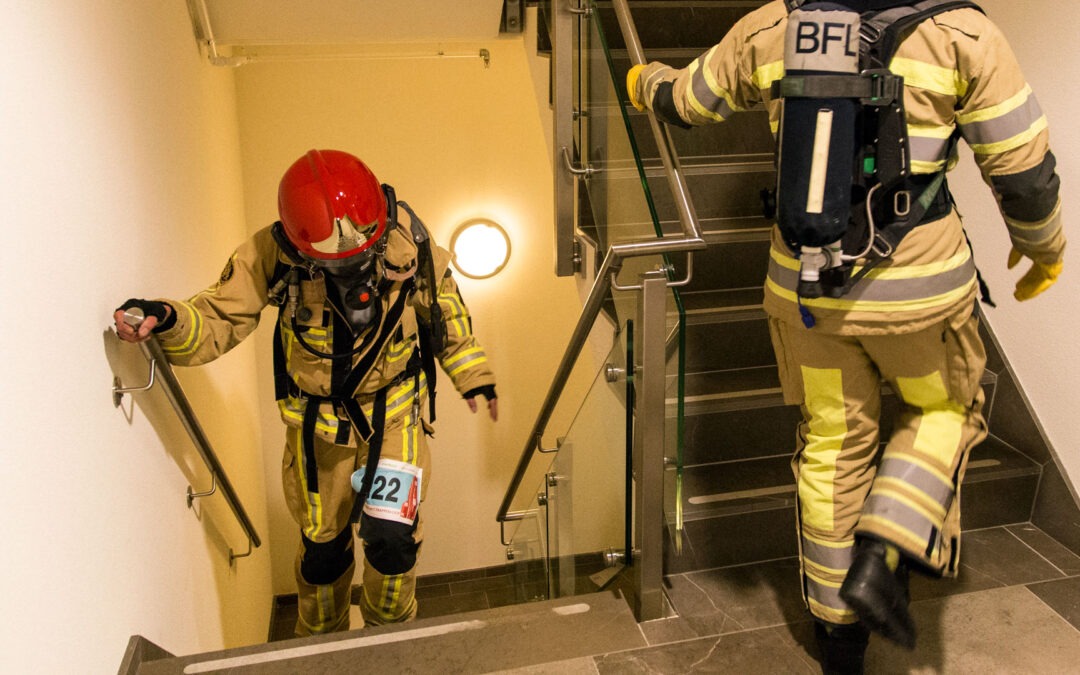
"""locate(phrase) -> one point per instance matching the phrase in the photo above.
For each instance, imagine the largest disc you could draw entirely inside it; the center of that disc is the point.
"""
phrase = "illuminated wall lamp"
(480, 248)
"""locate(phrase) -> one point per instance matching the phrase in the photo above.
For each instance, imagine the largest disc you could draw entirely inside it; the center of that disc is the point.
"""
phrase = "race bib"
(395, 491)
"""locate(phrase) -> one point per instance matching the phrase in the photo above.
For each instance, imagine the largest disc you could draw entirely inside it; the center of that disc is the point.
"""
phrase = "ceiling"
(289, 22)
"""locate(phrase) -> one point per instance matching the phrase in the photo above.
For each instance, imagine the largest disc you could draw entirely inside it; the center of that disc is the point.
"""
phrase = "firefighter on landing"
(366, 306)
(871, 276)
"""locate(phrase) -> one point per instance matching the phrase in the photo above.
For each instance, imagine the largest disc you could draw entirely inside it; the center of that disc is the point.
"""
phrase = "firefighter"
(367, 305)
(866, 517)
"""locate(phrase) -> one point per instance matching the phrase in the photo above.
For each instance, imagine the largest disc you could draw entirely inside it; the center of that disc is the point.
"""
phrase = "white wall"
(1038, 336)
(121, 178)
(457, 140)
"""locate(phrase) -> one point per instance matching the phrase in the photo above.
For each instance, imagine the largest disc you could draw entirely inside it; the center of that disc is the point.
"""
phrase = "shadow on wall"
(222, 535)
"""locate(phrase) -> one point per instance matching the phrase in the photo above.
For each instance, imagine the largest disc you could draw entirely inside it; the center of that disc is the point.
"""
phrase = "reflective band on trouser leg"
(323, 608)
(834, 470)
(913, 495)
(391, 598)
(319, 495)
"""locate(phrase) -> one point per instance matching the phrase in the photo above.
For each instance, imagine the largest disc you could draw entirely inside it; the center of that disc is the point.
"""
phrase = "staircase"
(738, 494)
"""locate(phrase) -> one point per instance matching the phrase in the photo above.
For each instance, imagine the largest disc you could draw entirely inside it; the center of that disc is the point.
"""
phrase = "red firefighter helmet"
(332, 206)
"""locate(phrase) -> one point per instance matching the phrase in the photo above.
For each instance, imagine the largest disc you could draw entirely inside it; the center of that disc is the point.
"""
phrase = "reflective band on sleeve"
(192, 340)
(707, 97)
(827, 429)
(1035, 233)
(468, 358)
(456, 313)
(1013, 143)
(764, 76)
(933, 78)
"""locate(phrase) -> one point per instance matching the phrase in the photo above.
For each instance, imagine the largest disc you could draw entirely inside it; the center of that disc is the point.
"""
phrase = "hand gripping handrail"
(159, 364)
(690, 241)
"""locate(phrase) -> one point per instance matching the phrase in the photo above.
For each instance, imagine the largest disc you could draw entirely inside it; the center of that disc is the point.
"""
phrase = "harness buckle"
(902, 203)
(885, 87)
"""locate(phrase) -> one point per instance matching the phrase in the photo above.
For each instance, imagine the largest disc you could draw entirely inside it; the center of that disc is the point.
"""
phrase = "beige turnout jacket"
(959, 75)
(215, 320)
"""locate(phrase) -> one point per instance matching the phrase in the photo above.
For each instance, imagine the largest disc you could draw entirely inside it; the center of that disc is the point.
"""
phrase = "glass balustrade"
(622, 209)
(573, 530)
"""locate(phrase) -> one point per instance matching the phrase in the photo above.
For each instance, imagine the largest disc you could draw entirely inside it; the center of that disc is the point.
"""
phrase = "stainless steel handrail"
(690, 240)
(153, 352)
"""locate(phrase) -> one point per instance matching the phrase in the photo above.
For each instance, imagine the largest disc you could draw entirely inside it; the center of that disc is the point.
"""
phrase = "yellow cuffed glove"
(1036, 280)
(632, 77)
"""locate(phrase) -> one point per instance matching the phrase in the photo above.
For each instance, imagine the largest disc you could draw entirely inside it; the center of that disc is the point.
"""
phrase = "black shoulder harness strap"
(883, 31)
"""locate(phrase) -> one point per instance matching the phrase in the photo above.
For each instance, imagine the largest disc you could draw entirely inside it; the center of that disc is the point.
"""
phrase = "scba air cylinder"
(817, 135)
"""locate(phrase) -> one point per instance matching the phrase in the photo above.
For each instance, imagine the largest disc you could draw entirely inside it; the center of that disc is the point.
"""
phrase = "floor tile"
(1048, 547)
(989, 558)
(748, 653)
(1001, 630)
(1063, 596)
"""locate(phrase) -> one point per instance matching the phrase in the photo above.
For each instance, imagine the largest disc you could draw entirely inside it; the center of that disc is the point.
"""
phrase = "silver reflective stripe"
(934, 485)
(911, 523)
(826, 596)
(928, 148)
(709, 100)
(1035, 233)
(1003, 127)
(876, 289)
(831, 557)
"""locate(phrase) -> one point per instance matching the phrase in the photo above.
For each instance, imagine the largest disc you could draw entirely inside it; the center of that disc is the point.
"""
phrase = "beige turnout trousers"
(908, 494)
(320, 498)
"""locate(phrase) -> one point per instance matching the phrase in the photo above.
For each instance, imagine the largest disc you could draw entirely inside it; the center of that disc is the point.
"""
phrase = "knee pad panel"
(388, 546)
(323, 563)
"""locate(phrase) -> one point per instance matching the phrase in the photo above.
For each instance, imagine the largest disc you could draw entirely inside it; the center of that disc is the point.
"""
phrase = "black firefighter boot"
(879, 594)
(843, 647)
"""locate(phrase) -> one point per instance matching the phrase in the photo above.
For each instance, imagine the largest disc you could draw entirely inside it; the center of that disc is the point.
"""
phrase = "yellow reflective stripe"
(191, 341)
(697, 105)
(873, 305)
(921, 166)
(314, 499)
(764, 76)
(930, 130)
(930, 77)
(456, 312)
(941, 426)
(824, 402)
(885, 273)
(709, 77)
(995, 111)
(293, 409)
(831, 614)
(468, 358)
(1036, 128)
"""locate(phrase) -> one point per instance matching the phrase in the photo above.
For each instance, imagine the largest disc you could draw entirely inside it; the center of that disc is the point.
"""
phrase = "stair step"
(727, 505)
(516, 636)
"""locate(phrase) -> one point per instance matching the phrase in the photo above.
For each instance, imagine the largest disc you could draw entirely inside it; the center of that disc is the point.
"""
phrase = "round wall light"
(480, 248)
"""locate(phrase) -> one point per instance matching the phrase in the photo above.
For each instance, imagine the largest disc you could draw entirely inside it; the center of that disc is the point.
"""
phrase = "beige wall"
(121, 178)
(1039, 336)
(457, 140)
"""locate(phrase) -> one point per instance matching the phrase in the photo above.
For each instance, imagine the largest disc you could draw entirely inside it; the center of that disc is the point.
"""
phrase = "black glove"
(158, 310)
(487, 391)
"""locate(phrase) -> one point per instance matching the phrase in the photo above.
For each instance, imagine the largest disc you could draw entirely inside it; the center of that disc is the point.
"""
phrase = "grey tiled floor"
(1015, 608)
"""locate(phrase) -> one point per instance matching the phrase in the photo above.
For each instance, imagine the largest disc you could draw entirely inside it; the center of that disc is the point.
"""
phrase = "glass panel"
(528, 553)
(623, 209)
(587, 514)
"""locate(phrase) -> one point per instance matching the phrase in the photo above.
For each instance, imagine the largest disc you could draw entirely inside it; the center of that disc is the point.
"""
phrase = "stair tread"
(728, 488)
(480, 641)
